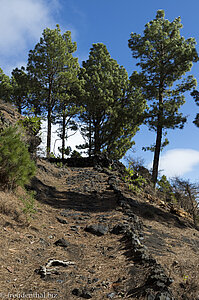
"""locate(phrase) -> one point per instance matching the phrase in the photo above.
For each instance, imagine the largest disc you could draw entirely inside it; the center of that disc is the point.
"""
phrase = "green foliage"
(20, 88)
(52, 155)
(5, 86)
(195, 95)
(29, 204)
(153, 147)
(164, 59)
(32, 123)
(66, 150)
(135, 181)
(75, 154)
(59, 164)
(165, 187)
(108, 96)
(16, 167)
(54, 71)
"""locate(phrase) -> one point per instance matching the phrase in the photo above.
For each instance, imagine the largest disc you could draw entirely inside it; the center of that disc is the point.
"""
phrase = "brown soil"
(81, 197)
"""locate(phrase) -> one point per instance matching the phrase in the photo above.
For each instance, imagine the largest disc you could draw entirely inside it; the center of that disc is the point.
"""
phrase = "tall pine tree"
(20, 88)
(5, 86)
(113, 108)
(50, 63)
(164, 58)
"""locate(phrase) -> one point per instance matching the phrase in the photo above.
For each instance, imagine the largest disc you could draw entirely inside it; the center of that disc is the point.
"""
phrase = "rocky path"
(77, 211)
(85, 241)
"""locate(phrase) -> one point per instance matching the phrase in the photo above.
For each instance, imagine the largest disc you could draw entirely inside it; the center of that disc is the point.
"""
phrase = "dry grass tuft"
(11, 206)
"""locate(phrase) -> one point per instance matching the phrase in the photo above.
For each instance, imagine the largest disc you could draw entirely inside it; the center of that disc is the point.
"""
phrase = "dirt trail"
(69, 201)
(77, 220)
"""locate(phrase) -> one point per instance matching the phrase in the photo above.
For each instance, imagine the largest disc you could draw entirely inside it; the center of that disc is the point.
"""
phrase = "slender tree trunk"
(49, 120)
(49, 133)
(157, 154)
(158, 140)
(19, 108)
(97, 137)
(63, 134)
(90, 138)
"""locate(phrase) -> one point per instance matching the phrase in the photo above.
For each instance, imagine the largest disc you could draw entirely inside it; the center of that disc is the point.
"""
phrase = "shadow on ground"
(150, 212)
(90, 202)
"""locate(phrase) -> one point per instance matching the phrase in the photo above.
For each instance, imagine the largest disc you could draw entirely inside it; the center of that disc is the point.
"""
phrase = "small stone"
(62, 243)
(74, 228)
(150, 297)
(175, 263)
(163, 296)
(60, 280)
(62, 221)
(97, 229)
(43, 242)
(111, 295)
(76, 292)
(86, 294)
(83, 293)
(119, 229)
(64, 213)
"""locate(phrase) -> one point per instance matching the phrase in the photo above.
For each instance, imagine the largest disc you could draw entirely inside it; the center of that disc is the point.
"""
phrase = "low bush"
(28, 205)
(16, 166)
(135, 180)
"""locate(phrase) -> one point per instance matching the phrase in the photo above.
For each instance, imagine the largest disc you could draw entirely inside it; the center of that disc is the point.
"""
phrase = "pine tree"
(49, 63)
(113, 108)
(165, 188)
(70, 88)
(164, 58)
(16, 167)
(20, 88)
(5, 86)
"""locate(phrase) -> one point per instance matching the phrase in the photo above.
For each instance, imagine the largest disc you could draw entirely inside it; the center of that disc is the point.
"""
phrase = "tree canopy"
(5, 86)
(51, 63)
(20, 88)
(112, 107)
(195, 95)
(164, 58)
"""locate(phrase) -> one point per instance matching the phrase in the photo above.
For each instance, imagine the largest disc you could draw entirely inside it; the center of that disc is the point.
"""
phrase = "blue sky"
(109, 22)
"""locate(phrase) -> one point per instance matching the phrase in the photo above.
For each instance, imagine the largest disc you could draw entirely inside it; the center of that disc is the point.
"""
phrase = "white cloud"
(21, 25)
(22, 21)
(178, 162)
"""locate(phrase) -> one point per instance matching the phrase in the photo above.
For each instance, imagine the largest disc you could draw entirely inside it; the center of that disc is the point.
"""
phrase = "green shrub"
(75, 154)
(165, 188)
(31, 123)
(16, 167)
(28, 205)
(66, 151)
(135, 180)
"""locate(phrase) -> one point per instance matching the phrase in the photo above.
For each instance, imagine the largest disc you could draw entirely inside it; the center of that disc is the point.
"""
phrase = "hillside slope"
(92, 238)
